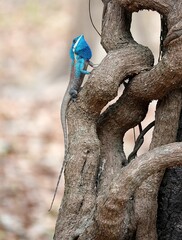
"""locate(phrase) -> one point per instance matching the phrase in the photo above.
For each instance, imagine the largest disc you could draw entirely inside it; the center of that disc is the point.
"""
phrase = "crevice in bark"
(164, 132)
(169, 221)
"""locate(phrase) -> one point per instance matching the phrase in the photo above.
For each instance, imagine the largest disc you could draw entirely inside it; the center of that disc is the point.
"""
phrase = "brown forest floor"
(31, 143)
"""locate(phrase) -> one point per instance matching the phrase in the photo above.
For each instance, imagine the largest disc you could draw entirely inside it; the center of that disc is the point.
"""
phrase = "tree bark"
(164, 132)
(169, 221)
(106, 197)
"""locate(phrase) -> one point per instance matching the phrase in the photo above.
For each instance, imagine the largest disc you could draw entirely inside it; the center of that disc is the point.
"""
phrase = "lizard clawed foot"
(73, 93)
(93, 65)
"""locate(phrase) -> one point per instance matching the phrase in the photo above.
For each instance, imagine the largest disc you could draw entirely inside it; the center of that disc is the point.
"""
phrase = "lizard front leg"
(80, 71)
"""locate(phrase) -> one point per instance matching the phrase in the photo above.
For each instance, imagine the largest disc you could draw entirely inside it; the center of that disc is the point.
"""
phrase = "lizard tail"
(64, 106)
(55, 192)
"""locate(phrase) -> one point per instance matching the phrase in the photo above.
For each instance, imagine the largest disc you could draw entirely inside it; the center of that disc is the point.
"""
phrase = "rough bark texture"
(164, 132)
(105, 196)
(169, 222)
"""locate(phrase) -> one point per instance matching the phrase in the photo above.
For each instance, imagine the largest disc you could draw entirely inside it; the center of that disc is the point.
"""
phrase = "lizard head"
(80, 48)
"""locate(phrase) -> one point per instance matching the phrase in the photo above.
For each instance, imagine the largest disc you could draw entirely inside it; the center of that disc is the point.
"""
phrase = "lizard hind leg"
(73, 93)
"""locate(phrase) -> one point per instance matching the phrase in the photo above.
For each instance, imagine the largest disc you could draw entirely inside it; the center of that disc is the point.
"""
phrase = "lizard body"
(80, 54)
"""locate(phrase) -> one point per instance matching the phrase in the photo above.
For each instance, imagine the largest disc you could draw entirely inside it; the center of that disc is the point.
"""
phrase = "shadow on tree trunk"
(169, 221)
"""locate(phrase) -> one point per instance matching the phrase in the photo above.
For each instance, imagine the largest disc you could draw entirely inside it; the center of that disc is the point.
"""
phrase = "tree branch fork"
(100, 185)
(120, 192)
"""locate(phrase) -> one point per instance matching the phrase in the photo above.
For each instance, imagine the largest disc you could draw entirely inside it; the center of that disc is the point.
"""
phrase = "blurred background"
(35, 37)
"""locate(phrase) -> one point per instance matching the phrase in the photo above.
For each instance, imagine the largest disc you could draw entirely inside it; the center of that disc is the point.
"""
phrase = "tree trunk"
(169, 221)
(106, 196)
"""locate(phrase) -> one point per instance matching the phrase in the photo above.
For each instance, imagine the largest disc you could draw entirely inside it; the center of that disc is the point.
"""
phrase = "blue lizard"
(80, 54)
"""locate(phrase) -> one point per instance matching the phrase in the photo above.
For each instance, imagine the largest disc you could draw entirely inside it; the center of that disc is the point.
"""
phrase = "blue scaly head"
(80, 48)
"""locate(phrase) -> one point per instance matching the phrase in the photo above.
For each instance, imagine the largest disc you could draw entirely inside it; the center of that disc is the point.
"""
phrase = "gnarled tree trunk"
(106, 196)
